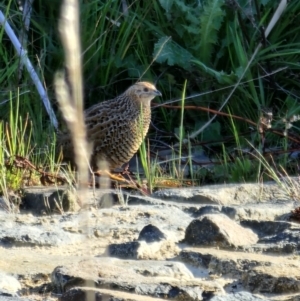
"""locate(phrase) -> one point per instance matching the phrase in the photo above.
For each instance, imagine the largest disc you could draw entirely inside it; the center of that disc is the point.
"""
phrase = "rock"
(268, 211)
(218, 230)
(273, 248)
(124, 250)
(145, 200)
(27, 230)
(87, 294)
(157, 279)
(241, 296)
(82, 294)
(272, 279)
(50, 201)
(47, 200)
(142, 250)
(28, 236)
(151, 244)
(229, 194)
(108, 200)
(275, 231)
(157, 250)
(263, 274)
(151, 233)
(275, 236)
(9, 285)
(269, 228)
(64, 278)
(245, 246)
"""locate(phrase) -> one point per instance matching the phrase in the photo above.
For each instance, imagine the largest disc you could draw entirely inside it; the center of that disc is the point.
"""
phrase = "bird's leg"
(106, 172)
(119, 178)
(127, 172)
(125, 168)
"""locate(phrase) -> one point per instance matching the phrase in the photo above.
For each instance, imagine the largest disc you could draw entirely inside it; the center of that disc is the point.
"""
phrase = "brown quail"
(116, 127)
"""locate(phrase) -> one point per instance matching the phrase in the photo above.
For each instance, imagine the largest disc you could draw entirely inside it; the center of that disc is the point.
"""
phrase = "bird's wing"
(104, 121)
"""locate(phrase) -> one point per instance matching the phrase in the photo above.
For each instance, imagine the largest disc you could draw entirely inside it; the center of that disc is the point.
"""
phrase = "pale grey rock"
(268, 211)
(270, 228)
(229, 194)
(161, 264)
(36, 236)
(274, 236)
(149, 200)
(9, 285)
(219, 265)
(240, 296)
(160, 279)
(280, 248)
(272, 280)
(218, 230)
(259, 274)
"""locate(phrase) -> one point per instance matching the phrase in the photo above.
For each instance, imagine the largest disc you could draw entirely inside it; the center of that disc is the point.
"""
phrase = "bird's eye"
(146, 90)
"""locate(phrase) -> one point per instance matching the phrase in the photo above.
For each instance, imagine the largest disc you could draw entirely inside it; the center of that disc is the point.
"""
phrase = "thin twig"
(70, 92)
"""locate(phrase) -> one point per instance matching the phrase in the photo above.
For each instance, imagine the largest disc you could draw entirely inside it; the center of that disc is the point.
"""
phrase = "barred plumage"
(116, 127)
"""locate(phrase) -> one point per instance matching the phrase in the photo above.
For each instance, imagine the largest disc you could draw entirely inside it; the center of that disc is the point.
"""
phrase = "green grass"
(213, 55)
(15, 139)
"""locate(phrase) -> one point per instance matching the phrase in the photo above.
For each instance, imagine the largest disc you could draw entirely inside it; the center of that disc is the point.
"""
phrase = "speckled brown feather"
(117, 127)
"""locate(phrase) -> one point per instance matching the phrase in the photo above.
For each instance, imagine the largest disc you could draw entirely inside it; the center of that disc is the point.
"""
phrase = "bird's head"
(143, 91)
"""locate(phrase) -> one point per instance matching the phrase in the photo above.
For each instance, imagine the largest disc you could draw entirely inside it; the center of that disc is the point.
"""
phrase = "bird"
(115, 128)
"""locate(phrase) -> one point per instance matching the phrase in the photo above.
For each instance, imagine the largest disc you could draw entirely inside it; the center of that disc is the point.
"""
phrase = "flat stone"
(270, 228)
(263, 274)
(241, 296)
(275, 249)
(276, 237)
(156, 278)
(88, 294)
(33, 236)
(267, 211)
(272, 279)
(229, 194)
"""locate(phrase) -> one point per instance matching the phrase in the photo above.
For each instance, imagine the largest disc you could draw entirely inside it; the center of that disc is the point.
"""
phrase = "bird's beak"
(157, 93)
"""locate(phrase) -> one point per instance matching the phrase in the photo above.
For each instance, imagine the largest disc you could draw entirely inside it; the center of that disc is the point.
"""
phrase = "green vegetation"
(207, 56)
